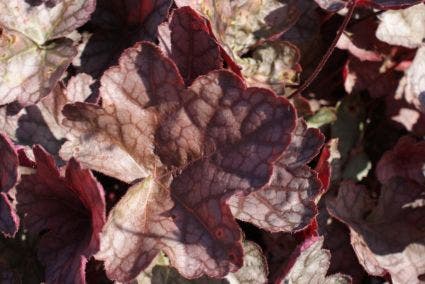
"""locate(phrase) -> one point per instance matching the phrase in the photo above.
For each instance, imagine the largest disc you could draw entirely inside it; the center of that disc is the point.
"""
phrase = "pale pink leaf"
(27, 72)
(44, 20)
(404, 27)
(309, 263)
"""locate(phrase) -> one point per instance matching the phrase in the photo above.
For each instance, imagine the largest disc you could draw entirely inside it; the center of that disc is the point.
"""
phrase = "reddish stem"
(325, 58)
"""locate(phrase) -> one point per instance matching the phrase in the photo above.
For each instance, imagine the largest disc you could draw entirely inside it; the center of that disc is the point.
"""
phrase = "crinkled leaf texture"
(9, 220)
(254, 270)
(287, 203)
(309, 263)
(68, 210)
(403, 27)
(33, 51)
(195, 147)
(41, 21)
(387, 235)
(27, 72)
(248, 31)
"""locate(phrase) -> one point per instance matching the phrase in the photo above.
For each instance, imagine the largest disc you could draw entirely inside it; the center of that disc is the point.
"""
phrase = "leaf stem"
(325, 58)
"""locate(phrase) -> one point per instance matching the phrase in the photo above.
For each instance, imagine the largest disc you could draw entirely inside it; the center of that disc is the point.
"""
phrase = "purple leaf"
(117, 25)
(387, 234)
(67, 210)
(195, 147)
(288, 202)
(192, 48)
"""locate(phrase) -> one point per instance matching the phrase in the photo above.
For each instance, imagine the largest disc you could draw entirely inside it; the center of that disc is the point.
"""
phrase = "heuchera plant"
(243, 141)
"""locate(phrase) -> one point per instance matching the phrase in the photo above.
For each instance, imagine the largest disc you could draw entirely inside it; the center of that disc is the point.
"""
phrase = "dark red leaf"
(405, 160)
(195, 147)
(67, 210)
(117, 25)
(192, 48)
(386, 233)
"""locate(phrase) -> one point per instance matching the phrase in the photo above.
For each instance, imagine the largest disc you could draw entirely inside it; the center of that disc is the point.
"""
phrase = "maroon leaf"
(387, 236)
(337, 241)
(323, 167)
(346, 43)
(67, 210)
(198, 145)
(117, 25)
(9, 220)
(405, 160)
(288, 202)
(192, 48)
(387, 233)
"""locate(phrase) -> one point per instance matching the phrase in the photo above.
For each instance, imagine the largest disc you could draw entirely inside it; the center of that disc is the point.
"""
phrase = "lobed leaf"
(27, 72)
(405, 160)
(200, 145)
(254, 270)
(387, 233)
(67, 211)
(243, 29)
(288, 202)
(34, 52)
(387, 236)
(191, 46)
(45, 20)
(309, 264)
